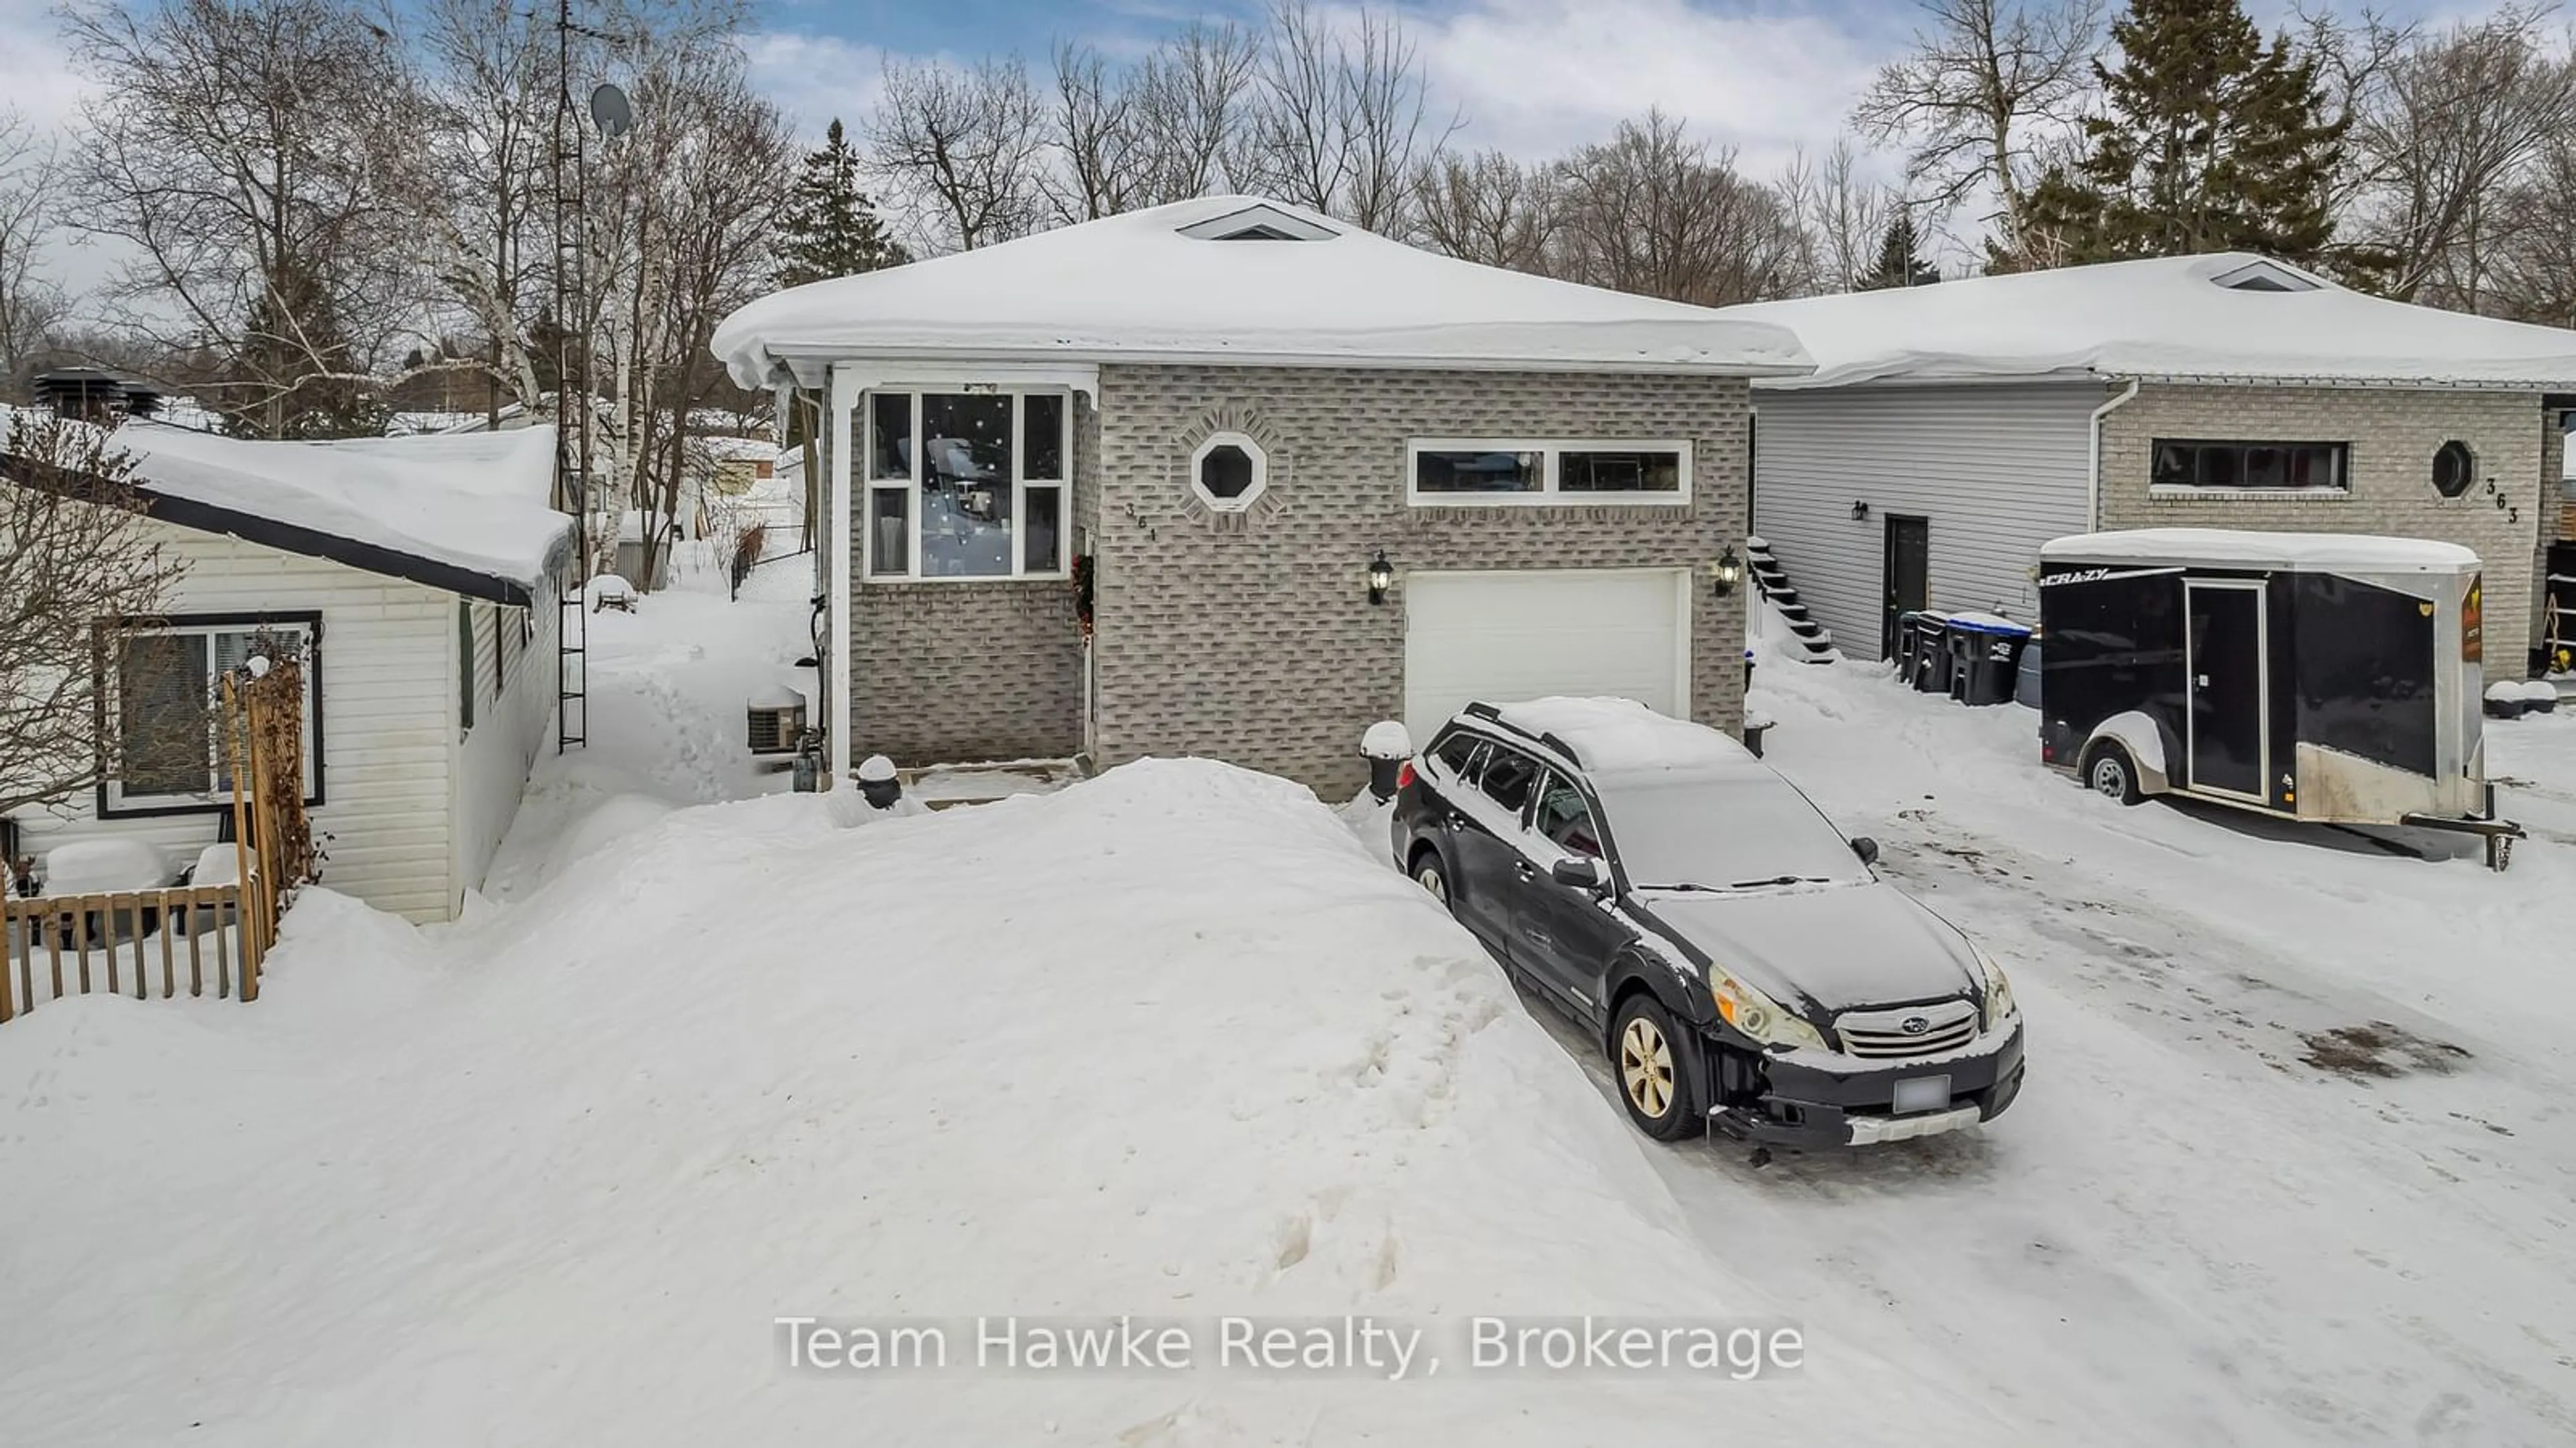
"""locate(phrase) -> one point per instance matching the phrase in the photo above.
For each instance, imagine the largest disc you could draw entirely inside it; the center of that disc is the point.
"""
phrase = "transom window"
(1476, 472)
(2316, 467)
(967, 484)
(169, 749)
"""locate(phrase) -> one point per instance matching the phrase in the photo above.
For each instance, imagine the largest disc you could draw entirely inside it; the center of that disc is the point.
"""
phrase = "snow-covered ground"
(2294, 1165)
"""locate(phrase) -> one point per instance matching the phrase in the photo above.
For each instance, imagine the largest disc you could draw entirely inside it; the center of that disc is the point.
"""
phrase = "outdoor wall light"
(1381, 577)
(1860, 510)
(1726, 572)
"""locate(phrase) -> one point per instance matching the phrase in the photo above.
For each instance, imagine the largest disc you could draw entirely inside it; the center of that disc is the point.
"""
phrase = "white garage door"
(1507, 636)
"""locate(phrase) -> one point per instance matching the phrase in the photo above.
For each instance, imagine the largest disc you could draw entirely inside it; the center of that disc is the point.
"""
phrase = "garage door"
(1507, 636)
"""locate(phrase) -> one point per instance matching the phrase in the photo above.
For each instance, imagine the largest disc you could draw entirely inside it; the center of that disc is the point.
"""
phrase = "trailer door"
(2224, 660)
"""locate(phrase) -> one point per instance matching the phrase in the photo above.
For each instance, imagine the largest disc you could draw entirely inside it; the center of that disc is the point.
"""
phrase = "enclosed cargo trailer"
(2329, 678)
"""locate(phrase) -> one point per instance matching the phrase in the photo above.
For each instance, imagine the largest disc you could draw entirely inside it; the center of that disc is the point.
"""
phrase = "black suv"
(1741, 963)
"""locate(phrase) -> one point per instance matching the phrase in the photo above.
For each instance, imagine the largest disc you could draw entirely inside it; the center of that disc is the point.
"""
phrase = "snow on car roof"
(2230, 315)
(2234, 548)
(476, 502)
(1165, 285)
(1622, 736)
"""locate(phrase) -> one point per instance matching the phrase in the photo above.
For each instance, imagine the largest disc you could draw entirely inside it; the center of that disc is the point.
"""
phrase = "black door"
(2225, 659)
(1485, 830)
(1562, 937)
(1907, 567)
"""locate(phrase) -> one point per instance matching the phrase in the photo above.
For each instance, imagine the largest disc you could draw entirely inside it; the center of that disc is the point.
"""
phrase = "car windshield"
(1725, 834)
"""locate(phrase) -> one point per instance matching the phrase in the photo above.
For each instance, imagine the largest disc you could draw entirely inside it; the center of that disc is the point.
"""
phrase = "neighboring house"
(421, 575)
(1949, 430)
(1118, 490)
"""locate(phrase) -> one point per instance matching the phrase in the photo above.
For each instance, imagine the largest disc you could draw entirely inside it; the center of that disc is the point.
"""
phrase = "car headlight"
(1758, 1016)
(1999, 996)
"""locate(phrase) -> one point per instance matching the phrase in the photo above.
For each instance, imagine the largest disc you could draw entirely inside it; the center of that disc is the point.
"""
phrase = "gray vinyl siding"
(1998, 470)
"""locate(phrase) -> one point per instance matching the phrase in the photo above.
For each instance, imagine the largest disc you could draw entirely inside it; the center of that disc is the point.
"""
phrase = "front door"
(1907, 567)
(2223, 661)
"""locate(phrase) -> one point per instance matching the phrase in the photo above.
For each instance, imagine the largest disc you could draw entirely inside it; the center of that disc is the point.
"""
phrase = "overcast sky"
(1529, 76)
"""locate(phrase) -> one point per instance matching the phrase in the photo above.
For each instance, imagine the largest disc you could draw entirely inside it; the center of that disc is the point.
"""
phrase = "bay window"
(965, 485)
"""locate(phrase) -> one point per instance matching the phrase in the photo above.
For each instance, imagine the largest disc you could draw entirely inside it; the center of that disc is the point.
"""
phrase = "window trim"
(108, 802)
(1551, 472)
(867, 486)
(2340, 488)
(1240, 442)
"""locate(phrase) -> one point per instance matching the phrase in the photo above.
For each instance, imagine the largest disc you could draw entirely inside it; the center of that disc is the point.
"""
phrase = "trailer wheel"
(2108, 771)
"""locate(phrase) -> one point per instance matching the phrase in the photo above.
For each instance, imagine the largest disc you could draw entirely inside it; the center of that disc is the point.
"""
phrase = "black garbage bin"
(1931, 671)
(1907, 646)
(1985, 657)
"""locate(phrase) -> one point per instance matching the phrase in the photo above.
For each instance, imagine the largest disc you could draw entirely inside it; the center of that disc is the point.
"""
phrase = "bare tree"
(962, 147)
(1985, 101)
(1487, 208)
(1343, 124)
(489, 91)
(1657, 212)
(2459, 119)
(1842, 216)
(1193, 105)
(2534, 278)
(31, 305)
(731, 158)
(79, 566)
(1097, 131)
(248, 152)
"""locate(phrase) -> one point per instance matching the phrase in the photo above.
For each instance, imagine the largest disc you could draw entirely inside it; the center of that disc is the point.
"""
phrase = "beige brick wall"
(2393, 434)
(1250, 637)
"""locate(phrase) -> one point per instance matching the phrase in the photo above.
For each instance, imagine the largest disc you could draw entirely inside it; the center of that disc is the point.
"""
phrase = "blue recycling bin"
(1985, 656)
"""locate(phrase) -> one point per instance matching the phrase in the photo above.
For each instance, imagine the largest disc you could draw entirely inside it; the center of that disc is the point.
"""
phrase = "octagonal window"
(2454, 468)
(1228, 471)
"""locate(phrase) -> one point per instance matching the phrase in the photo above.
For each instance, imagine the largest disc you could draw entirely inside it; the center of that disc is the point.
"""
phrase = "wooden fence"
(59, 945)
(228, 926)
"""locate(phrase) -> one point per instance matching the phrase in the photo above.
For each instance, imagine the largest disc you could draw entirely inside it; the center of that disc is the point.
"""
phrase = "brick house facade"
(1563, 466)
(2505, 516)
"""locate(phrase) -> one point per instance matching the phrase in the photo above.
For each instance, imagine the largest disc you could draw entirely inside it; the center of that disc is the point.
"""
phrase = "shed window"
(169, 752)
(2251, 466)
(966, 485)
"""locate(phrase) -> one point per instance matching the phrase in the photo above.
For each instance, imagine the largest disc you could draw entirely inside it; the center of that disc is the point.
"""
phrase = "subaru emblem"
(1914, 1025)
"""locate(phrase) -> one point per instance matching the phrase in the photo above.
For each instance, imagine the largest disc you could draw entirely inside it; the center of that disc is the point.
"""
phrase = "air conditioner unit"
(777, 721)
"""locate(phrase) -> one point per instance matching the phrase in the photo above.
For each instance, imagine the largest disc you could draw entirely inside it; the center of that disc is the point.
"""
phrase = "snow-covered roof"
(2226, 316)
(1233, 279)
(468, 512)
(2230, 548)
(1622, 736)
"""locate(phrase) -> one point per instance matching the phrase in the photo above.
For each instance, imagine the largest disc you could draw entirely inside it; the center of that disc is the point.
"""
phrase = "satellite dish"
(610, 112)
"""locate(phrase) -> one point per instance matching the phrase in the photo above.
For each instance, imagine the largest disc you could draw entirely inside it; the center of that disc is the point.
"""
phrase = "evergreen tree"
(1900, 260)
(2211, 141)
(829, 228)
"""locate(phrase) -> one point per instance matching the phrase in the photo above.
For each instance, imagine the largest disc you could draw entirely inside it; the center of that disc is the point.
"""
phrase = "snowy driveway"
(2295, 1163)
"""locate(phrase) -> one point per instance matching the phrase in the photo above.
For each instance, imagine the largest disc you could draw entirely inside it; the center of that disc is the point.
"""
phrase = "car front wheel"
(1646, 1059)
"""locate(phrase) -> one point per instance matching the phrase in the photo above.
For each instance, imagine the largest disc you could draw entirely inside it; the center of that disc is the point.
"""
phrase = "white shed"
(422, 574)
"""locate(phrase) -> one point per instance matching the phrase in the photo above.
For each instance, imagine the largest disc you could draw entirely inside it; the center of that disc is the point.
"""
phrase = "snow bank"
(480, 501)
(1168, 1043)
(2169, 317)
(1135, 288)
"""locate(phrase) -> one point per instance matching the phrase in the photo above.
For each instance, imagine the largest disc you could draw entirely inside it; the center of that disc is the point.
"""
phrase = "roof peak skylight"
(1258, 223)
